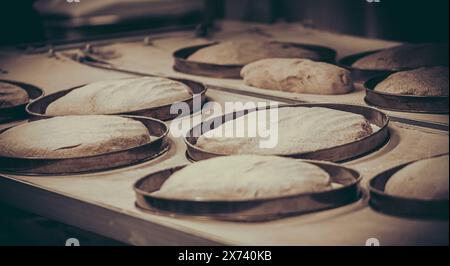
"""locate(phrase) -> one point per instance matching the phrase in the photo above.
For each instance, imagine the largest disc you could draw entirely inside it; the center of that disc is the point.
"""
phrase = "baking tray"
(362, 75)
(335, 154)
(231, 71)
(18, 112)
(250, 210)
(37, 108)
(403, 103)
(404, 207)
(88, 164)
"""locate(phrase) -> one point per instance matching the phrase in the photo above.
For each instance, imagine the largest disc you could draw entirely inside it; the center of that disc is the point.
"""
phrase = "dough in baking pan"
(244, 177)
(429, 81)
(300, 129)
(405, 56)
(242, 52)
(120, 96)
(425, 180)
(12, 95)
(72, 136)
(297, 75)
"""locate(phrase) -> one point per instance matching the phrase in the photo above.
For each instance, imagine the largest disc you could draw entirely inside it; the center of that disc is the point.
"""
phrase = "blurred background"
(27, 21)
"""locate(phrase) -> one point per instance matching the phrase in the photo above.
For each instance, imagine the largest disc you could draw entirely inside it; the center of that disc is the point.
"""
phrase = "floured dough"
(242, 52)
(72, 136)
(425, 179)
(297, 75)
(405, 56)
(12, 95)
(119, 96)
(432, 81)
(300, 129)
(244, 177)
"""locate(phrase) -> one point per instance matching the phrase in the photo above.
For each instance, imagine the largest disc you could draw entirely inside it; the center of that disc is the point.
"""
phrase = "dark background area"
(402, 20)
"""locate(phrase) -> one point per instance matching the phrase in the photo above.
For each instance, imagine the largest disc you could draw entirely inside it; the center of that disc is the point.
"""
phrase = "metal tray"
(231, 71)
(403, 103)
(94, 163)
(18, 112)
(335, 154)
(250, 210)
(404, 207)
(362, 75)
(37, 108)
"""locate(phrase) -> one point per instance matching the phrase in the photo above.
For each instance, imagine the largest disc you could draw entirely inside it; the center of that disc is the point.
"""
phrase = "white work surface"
(104, 202)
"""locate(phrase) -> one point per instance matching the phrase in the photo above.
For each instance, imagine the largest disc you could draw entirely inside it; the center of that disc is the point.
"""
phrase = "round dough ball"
(119, 96)
(425, 180)
(431, 81)
(242, 52)
(299, 129)
(72, 136)
(244, 177)
(406, 56)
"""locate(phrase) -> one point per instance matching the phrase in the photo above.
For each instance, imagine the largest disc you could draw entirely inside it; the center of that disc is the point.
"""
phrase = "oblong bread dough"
(297, 75)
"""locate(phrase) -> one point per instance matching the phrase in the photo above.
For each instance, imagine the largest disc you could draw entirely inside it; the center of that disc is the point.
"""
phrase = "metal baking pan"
(18, 112)
(37, 108)
(182, 64)
(403, 103)
(362, 75)
(256, 210)
(88, 164)
(335, 154)
(404, 207)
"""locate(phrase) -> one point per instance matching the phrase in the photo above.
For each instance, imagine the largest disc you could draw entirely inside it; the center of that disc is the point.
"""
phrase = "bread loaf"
(425, 180)
(119, 96)
(432, 81)
(297, 75)
(244, 177)
(300, 129)
(242, 52)
(72, 136)
(406, 56)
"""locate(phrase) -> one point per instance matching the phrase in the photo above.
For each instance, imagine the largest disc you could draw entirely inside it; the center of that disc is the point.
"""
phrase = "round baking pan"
(346, 191)
(338, 153)
(18, 112)
(107, 161)
(404, 207)
(362, 75)
(182, 64)
(37, 108)
(403, 103)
